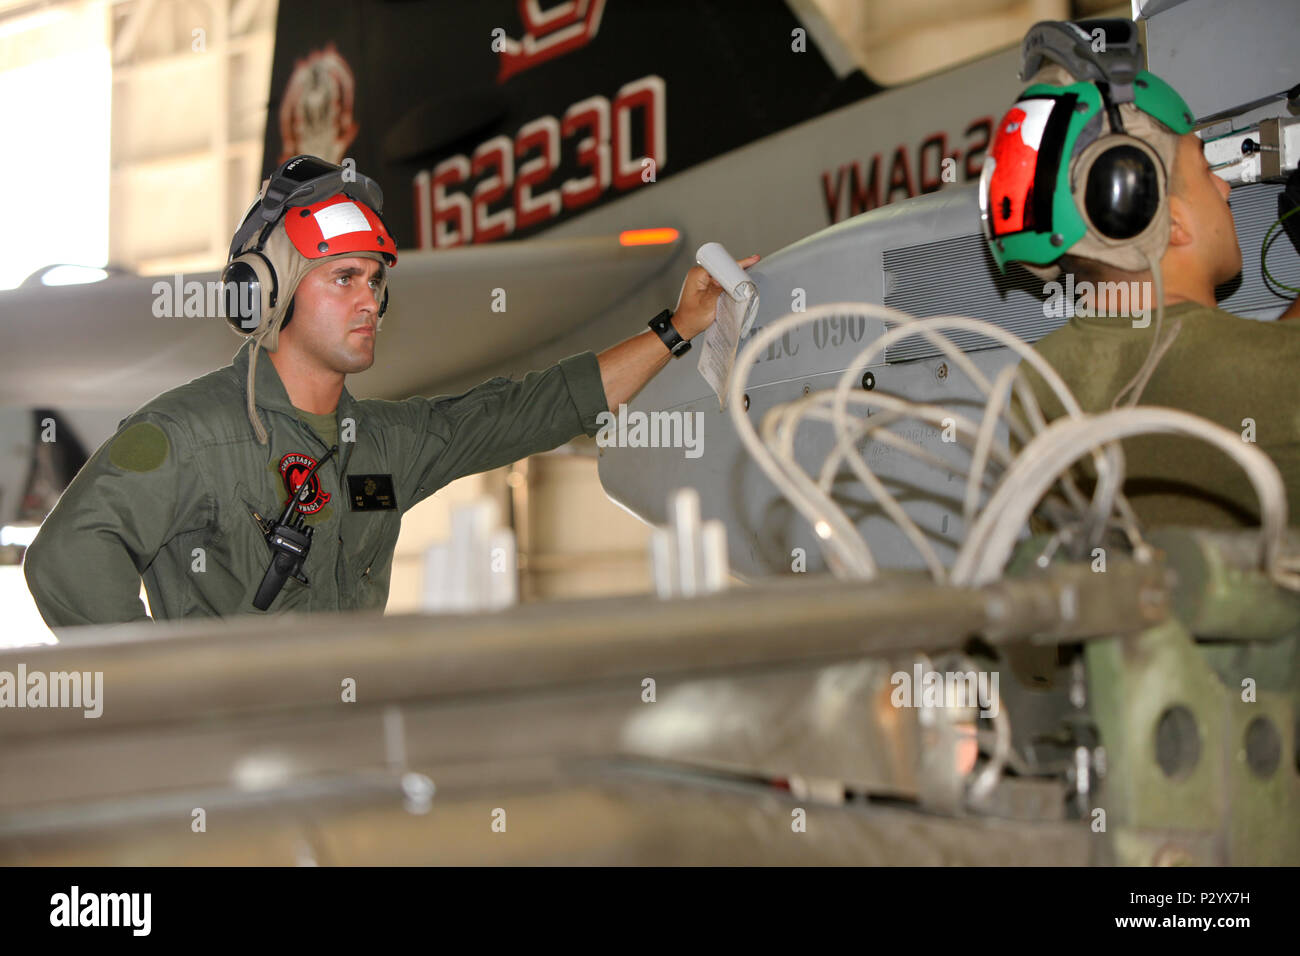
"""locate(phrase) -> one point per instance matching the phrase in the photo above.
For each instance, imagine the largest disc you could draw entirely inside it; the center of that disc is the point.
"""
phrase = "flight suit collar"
(269, 393)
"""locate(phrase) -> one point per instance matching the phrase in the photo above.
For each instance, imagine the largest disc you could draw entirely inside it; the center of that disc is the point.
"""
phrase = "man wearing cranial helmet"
(264, 485)
(1095, 181)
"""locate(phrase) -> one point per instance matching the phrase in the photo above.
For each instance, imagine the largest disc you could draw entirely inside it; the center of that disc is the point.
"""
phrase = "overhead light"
(647, 237)
(20, 534)
(73, 275)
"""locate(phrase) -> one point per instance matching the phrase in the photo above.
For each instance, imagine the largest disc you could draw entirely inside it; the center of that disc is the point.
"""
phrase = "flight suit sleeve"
(501, 421)
(139, 490)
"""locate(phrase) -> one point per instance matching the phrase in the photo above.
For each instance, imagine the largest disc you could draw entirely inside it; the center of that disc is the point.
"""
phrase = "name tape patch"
(371, 493)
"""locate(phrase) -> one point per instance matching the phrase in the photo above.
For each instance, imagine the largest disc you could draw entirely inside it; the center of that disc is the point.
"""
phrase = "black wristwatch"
(663, 327)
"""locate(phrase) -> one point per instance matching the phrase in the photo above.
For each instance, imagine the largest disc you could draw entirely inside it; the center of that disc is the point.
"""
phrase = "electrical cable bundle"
(1038, 477)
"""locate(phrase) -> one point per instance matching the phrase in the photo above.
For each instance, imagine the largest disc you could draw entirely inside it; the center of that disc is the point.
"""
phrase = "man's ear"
(1181, 230)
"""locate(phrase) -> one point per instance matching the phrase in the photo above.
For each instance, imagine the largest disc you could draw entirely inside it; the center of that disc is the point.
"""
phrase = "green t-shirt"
(326, 427)
(1221, 367)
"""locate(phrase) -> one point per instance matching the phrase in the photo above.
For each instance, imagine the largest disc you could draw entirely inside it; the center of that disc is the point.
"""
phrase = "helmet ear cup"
(250, 290)
(1123, 187)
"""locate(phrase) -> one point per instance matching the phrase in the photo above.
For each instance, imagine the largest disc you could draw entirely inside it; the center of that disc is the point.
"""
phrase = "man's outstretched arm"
(626, 368)
(501, 421)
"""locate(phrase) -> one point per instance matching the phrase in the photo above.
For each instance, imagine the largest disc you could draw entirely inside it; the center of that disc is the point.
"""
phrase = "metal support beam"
(124, 45)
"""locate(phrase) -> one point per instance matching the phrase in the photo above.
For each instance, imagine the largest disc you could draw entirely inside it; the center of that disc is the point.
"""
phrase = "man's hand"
(626, 367)
(698, 301)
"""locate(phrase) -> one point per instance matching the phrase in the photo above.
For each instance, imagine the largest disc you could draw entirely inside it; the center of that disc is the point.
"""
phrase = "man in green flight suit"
(188, 493)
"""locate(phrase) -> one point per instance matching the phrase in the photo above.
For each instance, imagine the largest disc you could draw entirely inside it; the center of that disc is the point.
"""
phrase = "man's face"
(335, 312)
(1199, 201)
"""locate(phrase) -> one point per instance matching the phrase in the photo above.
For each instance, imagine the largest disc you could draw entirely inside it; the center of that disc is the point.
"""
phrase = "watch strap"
(663, 327)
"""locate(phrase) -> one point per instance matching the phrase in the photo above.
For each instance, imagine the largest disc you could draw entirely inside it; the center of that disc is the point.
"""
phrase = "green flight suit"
(171, 496)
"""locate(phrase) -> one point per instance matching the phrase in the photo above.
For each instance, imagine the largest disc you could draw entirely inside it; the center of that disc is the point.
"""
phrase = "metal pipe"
(162, 673)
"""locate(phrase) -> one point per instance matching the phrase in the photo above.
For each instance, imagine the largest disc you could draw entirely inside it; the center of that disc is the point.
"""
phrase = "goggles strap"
(1112, 109)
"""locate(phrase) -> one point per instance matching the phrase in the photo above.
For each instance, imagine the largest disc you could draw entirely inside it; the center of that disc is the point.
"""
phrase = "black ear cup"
(243, 296)
(250, 288)
(383, 306)
(1122, 193)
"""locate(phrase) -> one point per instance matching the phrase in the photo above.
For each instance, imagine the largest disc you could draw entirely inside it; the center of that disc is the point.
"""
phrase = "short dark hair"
(1176, 173)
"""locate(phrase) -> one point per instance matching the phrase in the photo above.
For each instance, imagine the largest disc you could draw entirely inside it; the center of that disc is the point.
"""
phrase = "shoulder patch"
(141, 447)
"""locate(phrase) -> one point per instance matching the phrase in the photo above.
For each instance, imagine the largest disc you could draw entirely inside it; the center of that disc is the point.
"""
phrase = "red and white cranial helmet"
(338, 226)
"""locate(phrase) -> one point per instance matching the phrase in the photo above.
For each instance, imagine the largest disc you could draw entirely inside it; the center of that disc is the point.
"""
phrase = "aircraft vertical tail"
(501, 118)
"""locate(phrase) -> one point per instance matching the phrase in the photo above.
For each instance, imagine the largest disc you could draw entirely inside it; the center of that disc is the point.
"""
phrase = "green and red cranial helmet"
(1080, 163)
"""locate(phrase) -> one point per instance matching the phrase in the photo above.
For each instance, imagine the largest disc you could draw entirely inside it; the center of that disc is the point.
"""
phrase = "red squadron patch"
(293, 468)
